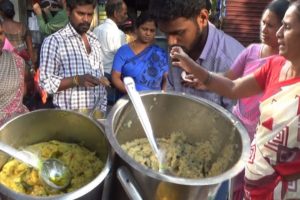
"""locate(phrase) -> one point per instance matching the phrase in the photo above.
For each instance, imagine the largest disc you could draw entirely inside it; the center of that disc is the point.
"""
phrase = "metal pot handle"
(102, 122)
(128, 183)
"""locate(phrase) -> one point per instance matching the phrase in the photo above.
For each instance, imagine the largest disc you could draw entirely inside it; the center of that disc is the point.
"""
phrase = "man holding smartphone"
(51, 23)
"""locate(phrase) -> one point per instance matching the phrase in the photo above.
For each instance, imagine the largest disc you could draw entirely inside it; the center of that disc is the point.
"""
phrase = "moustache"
(82, 28)
(84, 25)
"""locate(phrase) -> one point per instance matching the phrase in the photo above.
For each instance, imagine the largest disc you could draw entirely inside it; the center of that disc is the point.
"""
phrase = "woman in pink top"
(253, 57)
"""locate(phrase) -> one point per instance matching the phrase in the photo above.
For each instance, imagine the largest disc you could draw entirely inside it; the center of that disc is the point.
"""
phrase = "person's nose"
(172, 40)
(148, 32)
(86, 18)
(263, 28)
(279, 33)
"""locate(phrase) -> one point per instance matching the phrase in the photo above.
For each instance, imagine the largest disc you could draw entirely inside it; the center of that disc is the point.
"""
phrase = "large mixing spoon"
(52, 171)
(142, 115)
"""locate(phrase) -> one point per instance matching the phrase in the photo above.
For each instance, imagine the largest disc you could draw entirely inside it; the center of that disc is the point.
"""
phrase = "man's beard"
(196, 43)
(82, 28)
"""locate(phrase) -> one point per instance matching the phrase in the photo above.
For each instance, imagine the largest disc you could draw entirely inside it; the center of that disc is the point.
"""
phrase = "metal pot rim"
(238, 167)
(71, 195)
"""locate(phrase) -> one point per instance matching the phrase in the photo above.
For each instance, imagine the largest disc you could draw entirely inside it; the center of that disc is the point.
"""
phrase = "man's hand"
(88, 80)
(37, 9)
(47, 9)
(104, 81)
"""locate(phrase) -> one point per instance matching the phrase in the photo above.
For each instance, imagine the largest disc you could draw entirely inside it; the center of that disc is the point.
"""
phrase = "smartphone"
(45, 4)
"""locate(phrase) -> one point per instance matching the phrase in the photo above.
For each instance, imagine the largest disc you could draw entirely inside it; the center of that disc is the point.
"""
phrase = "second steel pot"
(169, 112)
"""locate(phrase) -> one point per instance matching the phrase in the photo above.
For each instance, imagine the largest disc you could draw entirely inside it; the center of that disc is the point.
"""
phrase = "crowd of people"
(83, 69)
(272, 169)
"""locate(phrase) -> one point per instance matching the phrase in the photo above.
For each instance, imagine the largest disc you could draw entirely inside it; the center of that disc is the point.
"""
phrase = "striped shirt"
(63, 54)
(217, 56)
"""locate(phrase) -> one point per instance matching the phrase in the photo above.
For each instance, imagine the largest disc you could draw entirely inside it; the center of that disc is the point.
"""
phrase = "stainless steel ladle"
(52, 171)
(142, 115)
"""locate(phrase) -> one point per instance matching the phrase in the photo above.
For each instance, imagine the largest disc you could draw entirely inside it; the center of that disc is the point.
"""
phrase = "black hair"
(128, 26)
(113, 5)
(278, 7)
(71, 4)
(166, 10)
(7, 8)
(143, 18)
(297, 5)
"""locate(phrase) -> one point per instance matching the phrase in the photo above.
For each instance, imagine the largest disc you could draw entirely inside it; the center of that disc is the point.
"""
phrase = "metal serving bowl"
(171, 112)
(66, 126)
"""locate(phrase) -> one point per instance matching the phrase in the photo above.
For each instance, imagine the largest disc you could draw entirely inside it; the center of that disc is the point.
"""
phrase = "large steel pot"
(65, 126)
(169, 112)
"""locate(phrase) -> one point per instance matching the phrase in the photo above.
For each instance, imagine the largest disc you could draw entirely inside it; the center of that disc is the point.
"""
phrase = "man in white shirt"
(111, 37)
(108, 33)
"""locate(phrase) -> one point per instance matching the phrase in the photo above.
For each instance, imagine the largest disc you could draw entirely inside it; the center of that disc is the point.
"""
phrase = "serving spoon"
(52, 171)
(143, 117)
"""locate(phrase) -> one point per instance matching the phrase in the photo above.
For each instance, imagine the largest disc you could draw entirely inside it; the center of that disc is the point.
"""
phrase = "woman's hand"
(181, 59)
(189, 80)
(194, 83)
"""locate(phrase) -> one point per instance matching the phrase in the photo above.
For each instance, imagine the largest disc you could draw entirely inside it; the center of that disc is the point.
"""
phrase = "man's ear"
(202, 18)
(116, 14)
(68, 12)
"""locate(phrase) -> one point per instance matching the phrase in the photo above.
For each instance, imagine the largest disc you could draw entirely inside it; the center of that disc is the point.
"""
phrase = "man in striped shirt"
(71, 68)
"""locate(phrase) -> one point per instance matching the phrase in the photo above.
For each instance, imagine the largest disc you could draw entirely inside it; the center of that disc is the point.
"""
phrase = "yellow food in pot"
(83, 164)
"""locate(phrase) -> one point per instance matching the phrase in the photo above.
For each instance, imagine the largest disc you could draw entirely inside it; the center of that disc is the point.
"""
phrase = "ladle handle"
(23, 156)
(141, 112)
(91, 114)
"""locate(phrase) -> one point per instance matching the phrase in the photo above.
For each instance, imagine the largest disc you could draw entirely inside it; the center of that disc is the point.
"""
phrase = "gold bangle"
(208, 78)
(75, 81)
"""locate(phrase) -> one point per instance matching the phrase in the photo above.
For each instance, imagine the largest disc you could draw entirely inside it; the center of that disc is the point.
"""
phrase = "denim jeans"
(112, 93)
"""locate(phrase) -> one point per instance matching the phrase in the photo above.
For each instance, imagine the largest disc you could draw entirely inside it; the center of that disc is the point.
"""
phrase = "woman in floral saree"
(145, 62)
(12, 70)
(273, 168)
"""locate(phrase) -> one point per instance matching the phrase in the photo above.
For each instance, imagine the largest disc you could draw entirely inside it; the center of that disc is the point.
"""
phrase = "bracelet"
(208, 78)
(75, 81)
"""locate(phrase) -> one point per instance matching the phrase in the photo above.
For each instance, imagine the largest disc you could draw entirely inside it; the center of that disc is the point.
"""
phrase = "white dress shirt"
(111, 39)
